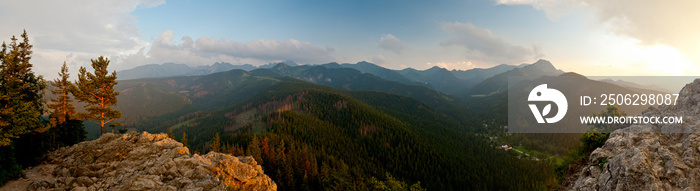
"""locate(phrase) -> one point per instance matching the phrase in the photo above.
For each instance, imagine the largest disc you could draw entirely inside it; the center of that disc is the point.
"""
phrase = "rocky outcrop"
(651, 157)
(142, 162)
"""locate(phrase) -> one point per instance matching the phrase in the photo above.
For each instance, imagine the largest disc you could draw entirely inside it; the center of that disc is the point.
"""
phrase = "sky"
(590, 37)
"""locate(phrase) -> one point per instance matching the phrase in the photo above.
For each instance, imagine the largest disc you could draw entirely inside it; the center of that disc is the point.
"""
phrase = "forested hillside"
(355, 124)
(315, 137)
(150, 101)
(348, 95)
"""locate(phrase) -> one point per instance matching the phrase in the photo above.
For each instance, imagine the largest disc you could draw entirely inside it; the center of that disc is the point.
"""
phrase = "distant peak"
(543, 62)
(273, 64)
(574, 74)
(289, 63)
(435, 68)
(221, 64)
(364, 63)
(543, 65)
(409, 69)
(331, 65)
(280, 65)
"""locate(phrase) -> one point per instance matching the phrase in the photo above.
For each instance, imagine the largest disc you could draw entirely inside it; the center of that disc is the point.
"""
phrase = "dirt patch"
(36, 174)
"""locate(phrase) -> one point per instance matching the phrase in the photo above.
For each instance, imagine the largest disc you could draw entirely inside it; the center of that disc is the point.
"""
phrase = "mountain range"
(464, 98)
(455, 82)
(342, 125)
(350, 135)
(391, 121)
(172, 69)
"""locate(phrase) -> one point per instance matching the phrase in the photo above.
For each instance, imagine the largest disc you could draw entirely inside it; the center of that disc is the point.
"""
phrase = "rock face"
(640, 158)
(145, 162)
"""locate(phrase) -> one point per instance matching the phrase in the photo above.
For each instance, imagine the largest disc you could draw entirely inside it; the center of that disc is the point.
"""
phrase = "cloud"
(537, 51)
(652, 22)
(390, 42)
(460, 65)
(484, 46)
(553, 9)
(206, 50)
(379, 59)
(77, 25)
(262, 49)
(73, 29)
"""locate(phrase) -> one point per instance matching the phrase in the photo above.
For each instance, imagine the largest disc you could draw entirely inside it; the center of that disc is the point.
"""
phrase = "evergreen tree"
(216, 143)
(184, 139)
(97, 91)
(61, 105)
(68, 130)
(171, 134)
(21, 104)
(254, 150)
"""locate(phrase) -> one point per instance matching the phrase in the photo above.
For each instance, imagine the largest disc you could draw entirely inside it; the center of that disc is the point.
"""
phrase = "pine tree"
(171, 134)
(216, 143)
(97, 91)
(235, 150)
(68, 130)
(254, 150)
(61, 105)
(184, 139)
(21, 104)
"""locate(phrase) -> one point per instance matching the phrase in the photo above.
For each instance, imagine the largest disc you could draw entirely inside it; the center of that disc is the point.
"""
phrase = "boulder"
(143, 161)
(650, 157)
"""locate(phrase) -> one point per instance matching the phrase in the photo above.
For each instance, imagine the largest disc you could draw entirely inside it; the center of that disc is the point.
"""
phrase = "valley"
(346, 125)
(349, 95)
(357, 124)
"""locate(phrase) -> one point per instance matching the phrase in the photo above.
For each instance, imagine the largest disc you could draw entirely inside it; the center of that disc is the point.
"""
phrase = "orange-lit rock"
(141, 162)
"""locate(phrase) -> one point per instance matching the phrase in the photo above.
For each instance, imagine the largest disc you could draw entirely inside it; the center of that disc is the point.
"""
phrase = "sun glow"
(628, 56)
(665, 60)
